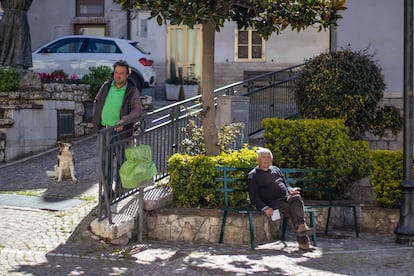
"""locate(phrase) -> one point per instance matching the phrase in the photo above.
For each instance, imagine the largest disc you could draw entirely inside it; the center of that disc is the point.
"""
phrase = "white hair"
(262, 151)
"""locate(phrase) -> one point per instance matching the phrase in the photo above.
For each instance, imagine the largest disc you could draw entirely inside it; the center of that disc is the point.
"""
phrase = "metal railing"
(270, 95)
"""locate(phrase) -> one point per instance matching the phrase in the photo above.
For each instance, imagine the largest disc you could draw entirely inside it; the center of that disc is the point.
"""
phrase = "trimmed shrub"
(346, 85)
(387, 174)
(318, 143)
(387, 117)
(193, 177)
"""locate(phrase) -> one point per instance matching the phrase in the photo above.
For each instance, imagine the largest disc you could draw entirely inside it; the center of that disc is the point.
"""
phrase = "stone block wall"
(28, 119)
(379, 220)
(203, 225)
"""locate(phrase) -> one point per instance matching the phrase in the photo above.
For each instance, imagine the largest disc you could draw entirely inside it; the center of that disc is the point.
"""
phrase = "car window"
(102, 46)
(70, 45)
(135, 45)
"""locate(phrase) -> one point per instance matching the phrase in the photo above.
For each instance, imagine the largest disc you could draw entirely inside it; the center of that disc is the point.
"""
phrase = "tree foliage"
(265, 16)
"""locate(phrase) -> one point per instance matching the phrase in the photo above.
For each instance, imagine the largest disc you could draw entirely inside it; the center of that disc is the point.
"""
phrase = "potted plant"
(172, 88)
(190, 86)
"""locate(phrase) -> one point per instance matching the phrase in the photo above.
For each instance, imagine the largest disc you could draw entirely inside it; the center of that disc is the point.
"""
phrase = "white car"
(76, 53)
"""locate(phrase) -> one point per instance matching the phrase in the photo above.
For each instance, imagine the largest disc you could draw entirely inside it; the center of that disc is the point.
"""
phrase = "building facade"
(176, 50)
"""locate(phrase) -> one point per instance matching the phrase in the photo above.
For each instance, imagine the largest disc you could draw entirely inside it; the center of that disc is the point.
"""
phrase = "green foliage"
(387, 174)
(346, 85)
(188, 80)
(193, 177)
(9, 79)
(174, 80)
(96, 77)
(194, 144)
(191, 80)
(317, 143)
(266, 16)
(387, 117)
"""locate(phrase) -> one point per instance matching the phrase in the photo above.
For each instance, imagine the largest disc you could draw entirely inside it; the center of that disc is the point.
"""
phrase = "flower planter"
(190, 90)
(172, 92)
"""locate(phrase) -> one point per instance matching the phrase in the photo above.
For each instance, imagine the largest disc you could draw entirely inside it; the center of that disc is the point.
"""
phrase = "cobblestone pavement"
(42, 242)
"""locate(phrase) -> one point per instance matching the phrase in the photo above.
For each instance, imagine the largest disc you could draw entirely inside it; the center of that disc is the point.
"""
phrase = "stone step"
(117, 233)
(126, 211)
(157, 198)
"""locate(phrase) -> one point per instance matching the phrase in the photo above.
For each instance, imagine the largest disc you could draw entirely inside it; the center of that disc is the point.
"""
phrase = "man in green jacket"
(117, 101)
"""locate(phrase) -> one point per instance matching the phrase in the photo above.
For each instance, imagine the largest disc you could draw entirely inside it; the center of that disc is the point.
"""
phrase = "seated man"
(268, 190)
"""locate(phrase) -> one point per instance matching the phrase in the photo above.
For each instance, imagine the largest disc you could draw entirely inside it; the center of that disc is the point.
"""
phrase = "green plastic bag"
(138, 167)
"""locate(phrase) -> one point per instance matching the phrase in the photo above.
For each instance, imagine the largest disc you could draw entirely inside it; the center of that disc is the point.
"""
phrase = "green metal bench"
(319, 180)
(229, 180)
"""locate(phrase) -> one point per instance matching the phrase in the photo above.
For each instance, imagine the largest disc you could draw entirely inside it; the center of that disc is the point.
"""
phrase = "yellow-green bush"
(318, 143)
(193, 177)
(387, 174)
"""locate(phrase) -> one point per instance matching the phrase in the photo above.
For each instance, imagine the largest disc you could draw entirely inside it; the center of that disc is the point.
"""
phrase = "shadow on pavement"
(29, 174)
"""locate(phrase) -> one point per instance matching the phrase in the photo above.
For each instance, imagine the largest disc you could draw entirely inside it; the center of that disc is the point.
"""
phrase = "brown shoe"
(306, 247)
(304, 230)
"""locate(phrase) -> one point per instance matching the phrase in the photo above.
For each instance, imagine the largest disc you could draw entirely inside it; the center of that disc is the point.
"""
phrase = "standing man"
(117, 101)
(268, 190)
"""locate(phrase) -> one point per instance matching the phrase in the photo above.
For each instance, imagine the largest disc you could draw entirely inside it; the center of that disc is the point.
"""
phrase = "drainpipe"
(333, 43)
(128, 15)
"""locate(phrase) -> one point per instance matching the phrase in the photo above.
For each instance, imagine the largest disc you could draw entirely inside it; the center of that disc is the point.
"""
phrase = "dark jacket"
(266, 186)
(131, 106)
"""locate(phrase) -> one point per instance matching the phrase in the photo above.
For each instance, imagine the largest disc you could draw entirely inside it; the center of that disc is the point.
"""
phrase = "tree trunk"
(207, 89)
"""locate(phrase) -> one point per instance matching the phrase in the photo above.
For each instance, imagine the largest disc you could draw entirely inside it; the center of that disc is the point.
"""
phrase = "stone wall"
(379, 220)
(28, 119)
(203, 225)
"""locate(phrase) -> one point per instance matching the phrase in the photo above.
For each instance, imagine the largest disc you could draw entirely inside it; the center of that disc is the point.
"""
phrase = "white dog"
(65, 166)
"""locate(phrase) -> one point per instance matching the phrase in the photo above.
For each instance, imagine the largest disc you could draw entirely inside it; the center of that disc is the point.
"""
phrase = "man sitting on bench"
(268, 190)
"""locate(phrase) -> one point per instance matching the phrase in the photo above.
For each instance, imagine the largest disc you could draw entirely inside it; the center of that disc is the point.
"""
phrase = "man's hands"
(294, 191)
(268, 212)
(120, 128)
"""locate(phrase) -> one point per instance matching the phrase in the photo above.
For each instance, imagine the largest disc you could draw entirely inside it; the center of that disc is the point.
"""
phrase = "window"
(90, 29)
(101, 46)
(184, 51)
(249, 46)
(107, 46)
(91, 8)
(66, 46)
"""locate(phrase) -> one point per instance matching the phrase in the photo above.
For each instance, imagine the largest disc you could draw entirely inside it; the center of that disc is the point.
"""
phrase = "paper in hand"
(276, 215)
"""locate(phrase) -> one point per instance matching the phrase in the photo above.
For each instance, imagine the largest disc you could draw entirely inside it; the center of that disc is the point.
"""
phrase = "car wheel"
(136, 80)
